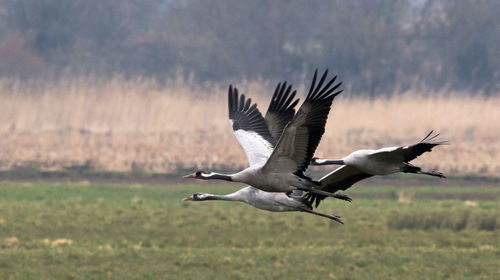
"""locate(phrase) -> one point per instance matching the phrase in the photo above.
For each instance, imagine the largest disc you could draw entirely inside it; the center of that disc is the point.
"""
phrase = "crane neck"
(228, 197)
(217, 176)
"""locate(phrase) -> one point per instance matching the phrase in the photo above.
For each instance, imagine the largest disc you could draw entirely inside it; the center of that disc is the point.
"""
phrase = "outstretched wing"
(411, 152)
(281, 110)
(302, 135)
(249, 128)
(341, 178)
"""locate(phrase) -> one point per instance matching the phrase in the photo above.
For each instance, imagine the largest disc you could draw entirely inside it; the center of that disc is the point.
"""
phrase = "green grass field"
(87, 231)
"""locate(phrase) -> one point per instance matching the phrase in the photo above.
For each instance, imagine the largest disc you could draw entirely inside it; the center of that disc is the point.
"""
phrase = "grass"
(82, 231)
(140, 125)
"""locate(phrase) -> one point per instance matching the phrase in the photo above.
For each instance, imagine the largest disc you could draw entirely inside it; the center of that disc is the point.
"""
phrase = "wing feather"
(425, 145)
(411, 152)
(281, 109)
(341, 178)
(249, 128)
(301, 136)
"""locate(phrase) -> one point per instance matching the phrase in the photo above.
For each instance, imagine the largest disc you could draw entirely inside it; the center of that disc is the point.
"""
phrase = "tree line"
(377, 46)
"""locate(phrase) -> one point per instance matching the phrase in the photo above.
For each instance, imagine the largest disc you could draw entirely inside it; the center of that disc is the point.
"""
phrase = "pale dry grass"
(141, 125)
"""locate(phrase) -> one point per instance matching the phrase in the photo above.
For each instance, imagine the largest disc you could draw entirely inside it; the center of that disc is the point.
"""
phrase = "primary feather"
(249, 128)
(302, 135)
(281, 109)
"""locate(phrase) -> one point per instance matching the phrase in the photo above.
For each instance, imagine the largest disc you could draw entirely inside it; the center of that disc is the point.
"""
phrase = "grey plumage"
(363, 164)
(275, 202)
(280, 168)
(280, 112)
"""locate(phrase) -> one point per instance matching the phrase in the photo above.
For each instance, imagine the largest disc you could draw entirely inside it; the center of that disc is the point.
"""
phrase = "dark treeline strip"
(378, 46)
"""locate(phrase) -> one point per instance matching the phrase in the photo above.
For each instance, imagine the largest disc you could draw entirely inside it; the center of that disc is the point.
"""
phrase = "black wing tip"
(238, 102)
(246, 116)
(427, 136)
(432, 139)
(230, 103)
(425, 145)
(292, 106)
(320, 92)
(320, 97)
(282, 98)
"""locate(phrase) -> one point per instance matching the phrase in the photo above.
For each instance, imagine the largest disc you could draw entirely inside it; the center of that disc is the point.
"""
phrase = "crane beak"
(191, 197)
(193, 175)
(317, 161)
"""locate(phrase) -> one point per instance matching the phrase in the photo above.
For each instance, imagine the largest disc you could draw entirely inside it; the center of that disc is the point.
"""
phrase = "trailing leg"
(408, 168)
(431, 173)
(338, 196)
(335, 218)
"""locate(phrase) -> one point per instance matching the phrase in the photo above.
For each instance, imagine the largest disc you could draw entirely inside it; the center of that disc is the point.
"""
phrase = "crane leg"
(436, 174)
(408, 168)
(335, 195)
(332, 217)
(343, 197)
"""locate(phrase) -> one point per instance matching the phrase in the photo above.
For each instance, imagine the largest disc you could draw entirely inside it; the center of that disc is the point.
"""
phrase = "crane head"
(198, 174)
(196, 197)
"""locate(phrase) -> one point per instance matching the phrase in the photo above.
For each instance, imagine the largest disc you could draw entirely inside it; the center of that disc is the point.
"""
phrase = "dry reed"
(141, 125)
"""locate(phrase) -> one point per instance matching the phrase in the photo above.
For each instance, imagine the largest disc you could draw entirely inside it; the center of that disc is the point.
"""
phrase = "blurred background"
(141, 85)
(105, 104)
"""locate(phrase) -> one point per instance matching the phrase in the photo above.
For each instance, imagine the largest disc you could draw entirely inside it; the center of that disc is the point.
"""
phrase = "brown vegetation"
(140, 125)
